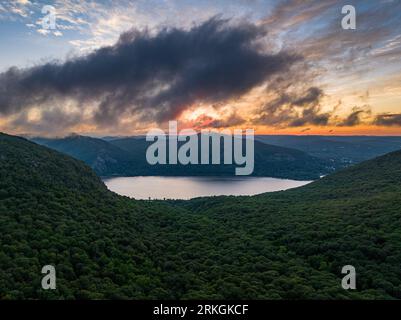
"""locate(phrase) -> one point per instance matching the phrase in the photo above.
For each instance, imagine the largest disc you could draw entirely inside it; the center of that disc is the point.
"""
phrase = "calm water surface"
(192, 187)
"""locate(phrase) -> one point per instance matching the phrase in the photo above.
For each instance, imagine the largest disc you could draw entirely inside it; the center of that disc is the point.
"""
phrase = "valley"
(282, 245)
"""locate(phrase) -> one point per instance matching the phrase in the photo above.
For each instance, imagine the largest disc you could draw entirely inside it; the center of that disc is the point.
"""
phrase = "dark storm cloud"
(311, 116)
(156, 76)
(354, 118)
(388, 119)
(53, 120)
(294, 109)
(312, 96)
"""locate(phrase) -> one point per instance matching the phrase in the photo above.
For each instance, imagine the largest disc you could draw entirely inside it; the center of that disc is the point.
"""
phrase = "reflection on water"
(192, 187)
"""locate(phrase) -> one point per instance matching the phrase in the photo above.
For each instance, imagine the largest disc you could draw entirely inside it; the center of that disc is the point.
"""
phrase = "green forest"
(283, 245)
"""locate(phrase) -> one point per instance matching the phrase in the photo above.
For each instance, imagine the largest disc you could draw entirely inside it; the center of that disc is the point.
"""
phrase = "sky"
(123, 67)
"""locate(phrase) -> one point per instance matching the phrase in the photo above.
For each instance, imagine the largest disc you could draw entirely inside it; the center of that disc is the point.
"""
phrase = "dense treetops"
(283, 245)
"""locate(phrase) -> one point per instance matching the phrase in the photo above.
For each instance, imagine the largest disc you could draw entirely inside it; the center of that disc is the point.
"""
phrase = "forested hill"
(379, 175)
(26, 166)
(283, 245)
(55, 210)
(351, 217)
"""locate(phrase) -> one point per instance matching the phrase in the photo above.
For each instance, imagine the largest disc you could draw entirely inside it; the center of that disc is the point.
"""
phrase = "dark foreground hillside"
(285, 245)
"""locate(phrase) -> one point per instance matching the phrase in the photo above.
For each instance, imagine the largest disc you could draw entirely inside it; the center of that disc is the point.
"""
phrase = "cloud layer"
(156, 76)
(282, 65)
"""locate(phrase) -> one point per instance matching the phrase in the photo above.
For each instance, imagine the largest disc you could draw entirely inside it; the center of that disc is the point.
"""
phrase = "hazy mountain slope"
(292, 244)
(103, 157)
(272, 161)
(277, 161)
(127, 157)
(341, 150)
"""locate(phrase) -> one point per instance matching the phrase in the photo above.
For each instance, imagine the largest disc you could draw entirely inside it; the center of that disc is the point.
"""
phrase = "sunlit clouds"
(121, 67)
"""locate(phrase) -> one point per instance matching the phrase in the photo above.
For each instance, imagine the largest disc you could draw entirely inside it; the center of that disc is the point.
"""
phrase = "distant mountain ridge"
(100, 155)
(340, 150)
(127, 157)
